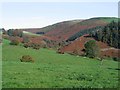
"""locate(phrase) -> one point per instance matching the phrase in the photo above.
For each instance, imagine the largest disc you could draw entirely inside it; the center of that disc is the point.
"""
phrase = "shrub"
(15, 32)
(6, 37)
(26, 58)
(116, 59)
(26, 39)
(60, 51)
(26, 45)
(43, 44)
(36, 46)
(14, 42)
(10, 32)
(32, 45)
(91, 49)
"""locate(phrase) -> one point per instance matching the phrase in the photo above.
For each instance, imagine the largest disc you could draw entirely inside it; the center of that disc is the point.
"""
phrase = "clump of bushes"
(91, 49)
(6, 37)
(36, 46)
(25, 39)
(116, 59)
(14, 42)
(60, 51)
(32, 45)
(26, 45)
(26, 58)
(43, 44)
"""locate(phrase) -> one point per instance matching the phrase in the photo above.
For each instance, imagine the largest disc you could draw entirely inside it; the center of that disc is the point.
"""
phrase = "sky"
(40, 14)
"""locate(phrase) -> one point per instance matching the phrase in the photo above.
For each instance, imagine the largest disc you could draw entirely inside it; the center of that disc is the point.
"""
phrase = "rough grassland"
(29, 33)
(52, 70)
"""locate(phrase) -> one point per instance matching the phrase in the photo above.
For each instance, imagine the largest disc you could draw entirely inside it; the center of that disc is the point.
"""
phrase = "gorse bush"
(32, 45)
(36, 46)
(116, 59)
(60, 51)
(25, 39)
(91, 49)
(14, 42)
(26, 58)
(6, 37)
(26, 45)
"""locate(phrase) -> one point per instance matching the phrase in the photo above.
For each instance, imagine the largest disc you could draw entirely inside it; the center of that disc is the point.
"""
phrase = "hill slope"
(63, 33)
(52, 70)
(48, 28)
(77, 47)
(64, 30)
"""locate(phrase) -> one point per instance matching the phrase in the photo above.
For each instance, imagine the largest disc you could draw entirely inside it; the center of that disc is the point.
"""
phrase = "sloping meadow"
(53, 70)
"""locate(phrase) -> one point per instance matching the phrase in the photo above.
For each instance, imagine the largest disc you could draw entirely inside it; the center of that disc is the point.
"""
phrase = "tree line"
(82, 32)
(110, 34)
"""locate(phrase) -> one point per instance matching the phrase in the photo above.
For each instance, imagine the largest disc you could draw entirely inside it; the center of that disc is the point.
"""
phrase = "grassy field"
(29, 33)
(110, 20)
(52, 70)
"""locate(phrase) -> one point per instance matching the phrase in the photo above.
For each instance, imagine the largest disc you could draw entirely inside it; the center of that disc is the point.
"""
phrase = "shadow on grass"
(114, 68)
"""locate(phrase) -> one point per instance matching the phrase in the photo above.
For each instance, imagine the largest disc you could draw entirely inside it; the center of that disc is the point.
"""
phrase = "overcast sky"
(40, 14)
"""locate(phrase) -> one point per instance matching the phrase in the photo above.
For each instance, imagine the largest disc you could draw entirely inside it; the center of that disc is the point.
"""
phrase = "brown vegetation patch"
(77, 46)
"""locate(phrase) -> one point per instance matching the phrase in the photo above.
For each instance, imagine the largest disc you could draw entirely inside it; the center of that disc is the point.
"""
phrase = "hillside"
(62, 33)
(59, 57)
(69, 36)
(53, 70)
(51, 27)
(65, 30)
(77, 47)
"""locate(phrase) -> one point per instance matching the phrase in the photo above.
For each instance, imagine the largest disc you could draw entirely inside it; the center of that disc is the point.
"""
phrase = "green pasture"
(52, 70)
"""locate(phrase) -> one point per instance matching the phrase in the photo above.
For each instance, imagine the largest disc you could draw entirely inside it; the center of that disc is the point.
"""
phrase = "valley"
(68, 54)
